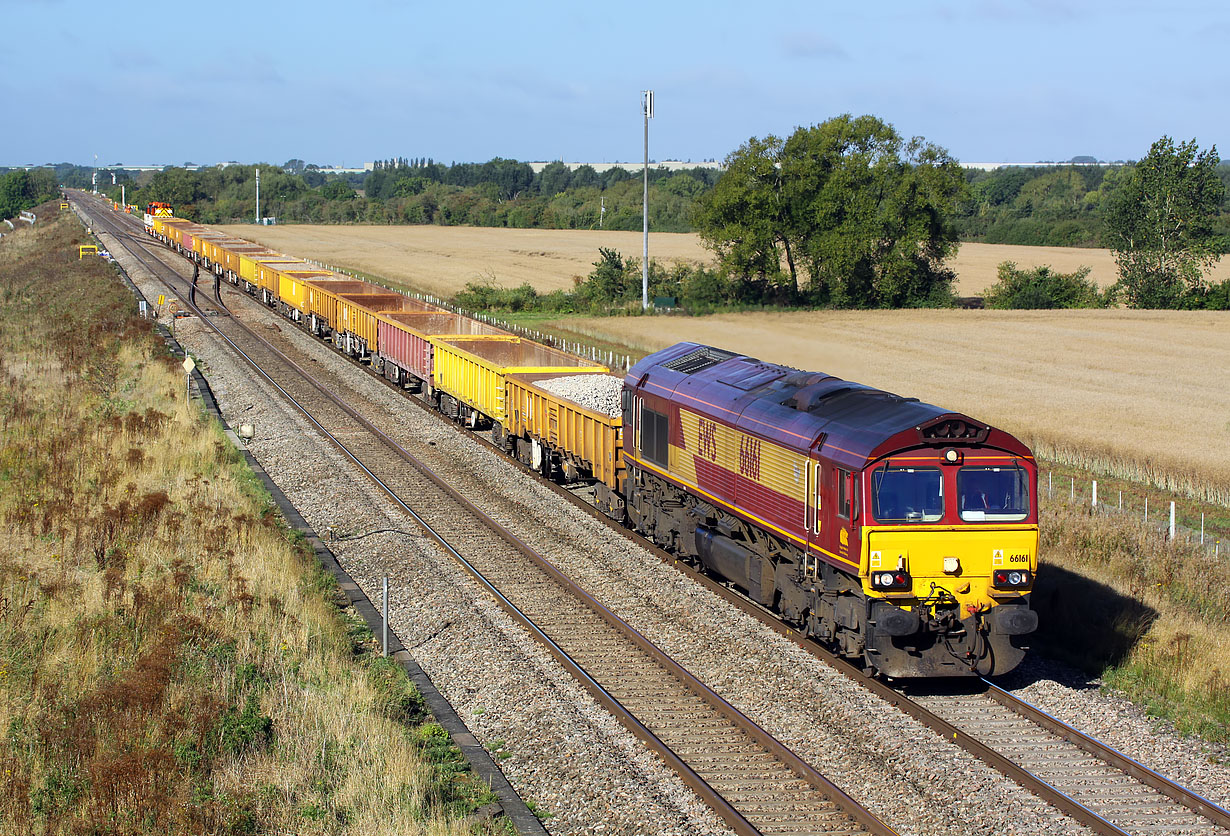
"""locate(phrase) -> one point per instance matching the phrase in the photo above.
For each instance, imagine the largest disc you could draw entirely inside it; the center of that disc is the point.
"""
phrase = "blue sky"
(352, 81)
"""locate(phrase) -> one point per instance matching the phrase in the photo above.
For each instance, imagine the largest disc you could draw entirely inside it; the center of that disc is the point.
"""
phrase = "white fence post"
(1202, 528)
(1172, 520)
(1095, 493)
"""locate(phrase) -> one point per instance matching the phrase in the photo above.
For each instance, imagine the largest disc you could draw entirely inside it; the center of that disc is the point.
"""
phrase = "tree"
(21, 189)
(337, 190)
(861, 217)
(744, 219)
(1159, 223)
(554, 178)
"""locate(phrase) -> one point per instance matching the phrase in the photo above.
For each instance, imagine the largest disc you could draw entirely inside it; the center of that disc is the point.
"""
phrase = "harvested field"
(442, 259)
(1138, 393)
(976, 264)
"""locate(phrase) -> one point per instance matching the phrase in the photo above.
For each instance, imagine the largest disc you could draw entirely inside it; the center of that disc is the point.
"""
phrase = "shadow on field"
(1084, 623)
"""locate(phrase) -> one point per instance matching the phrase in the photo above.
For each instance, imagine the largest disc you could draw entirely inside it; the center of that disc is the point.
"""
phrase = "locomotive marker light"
(1010, 578)
(891, 581)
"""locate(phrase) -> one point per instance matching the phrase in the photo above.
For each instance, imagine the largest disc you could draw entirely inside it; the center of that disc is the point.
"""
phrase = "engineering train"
(901, 534)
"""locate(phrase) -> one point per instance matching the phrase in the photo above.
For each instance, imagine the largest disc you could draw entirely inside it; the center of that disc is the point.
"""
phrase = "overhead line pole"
(647, 107)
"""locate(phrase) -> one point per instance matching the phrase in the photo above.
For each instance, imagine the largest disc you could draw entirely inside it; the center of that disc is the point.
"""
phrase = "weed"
(538, 810)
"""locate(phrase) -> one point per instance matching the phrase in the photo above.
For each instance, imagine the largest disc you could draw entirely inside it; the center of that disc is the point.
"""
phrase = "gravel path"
(566, 754)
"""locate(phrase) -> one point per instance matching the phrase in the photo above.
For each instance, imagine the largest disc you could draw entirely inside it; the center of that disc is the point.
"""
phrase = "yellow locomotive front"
(949, 554)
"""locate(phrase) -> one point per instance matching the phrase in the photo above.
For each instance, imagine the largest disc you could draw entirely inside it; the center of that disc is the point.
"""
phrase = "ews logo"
(707, 432)
(749, 457)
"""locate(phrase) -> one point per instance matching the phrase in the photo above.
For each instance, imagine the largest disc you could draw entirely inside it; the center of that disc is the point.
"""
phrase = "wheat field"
(442, 259)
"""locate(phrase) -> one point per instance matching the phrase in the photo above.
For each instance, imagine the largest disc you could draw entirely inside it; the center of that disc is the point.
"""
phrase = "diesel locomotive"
(903, 534)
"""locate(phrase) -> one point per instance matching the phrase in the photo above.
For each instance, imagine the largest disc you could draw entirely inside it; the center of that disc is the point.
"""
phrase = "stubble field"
(442, 259)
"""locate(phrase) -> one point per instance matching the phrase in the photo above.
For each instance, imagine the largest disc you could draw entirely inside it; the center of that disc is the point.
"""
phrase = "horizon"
(537, 164)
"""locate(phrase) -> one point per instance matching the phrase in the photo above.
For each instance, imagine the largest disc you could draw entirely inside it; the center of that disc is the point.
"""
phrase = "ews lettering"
(707, 430)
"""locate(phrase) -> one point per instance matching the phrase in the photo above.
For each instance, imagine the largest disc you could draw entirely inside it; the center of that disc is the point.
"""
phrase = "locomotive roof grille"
(703, 357)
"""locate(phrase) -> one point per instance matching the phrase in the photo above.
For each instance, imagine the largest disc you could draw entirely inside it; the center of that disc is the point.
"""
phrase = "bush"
(1216, 298)
(1042, 289)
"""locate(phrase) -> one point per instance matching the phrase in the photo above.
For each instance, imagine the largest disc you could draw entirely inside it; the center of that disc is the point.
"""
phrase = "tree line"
(500, 192)
(850, 214)
(1064, 206)
(845, 213)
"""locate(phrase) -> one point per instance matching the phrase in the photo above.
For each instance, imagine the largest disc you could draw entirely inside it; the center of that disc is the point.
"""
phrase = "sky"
(343, 83)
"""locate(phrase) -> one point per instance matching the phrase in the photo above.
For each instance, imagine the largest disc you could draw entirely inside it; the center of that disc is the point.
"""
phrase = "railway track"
(754, 782)
(1103, 789)
(1126, 796)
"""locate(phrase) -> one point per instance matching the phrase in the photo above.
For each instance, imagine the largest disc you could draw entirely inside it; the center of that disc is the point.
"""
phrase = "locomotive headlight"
(1010, 579)
(898, 581)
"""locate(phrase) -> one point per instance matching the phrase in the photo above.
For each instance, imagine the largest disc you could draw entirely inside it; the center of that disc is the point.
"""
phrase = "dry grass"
(1127, 393)
(1138, 394)
(1152, 615)
(169, 662)
(442, 259)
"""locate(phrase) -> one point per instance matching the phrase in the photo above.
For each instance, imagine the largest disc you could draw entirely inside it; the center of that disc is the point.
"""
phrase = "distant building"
(669, 165)
(1047, 164)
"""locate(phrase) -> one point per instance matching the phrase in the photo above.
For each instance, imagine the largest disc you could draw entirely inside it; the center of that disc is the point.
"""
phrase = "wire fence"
(1162, 519)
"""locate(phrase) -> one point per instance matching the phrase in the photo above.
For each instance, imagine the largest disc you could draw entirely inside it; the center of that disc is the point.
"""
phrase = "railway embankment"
(171, 659)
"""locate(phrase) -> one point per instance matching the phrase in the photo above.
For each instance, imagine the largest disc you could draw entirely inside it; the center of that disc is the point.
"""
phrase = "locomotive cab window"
(907, 494)
(993, 494)
(655, 436)
(843, 493)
